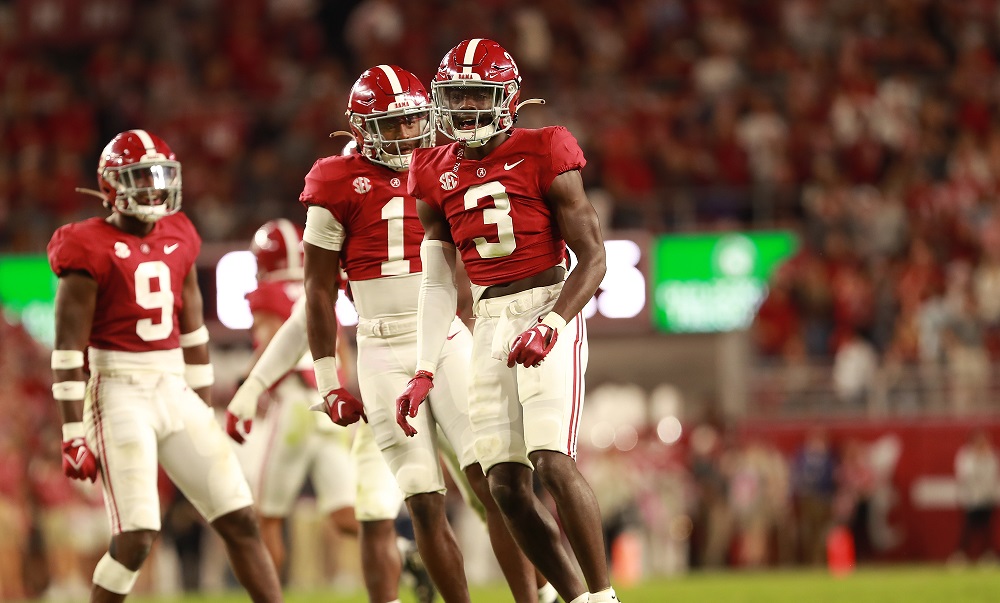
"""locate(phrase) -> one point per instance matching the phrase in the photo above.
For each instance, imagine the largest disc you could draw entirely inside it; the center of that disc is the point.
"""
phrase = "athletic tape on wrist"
(66, 359)
(199, 375)
(69, 390)
(113, 576)
(326, 374)
(73, 430)
(554, 320)
(196, 337)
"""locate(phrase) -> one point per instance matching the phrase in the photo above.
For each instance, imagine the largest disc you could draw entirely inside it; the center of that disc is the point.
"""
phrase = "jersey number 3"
(162, 300)
(499, 214)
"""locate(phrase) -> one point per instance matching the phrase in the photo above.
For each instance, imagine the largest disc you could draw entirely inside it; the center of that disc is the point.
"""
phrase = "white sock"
(581, 599)
(547, 593)
(605, 596)
(396, 601)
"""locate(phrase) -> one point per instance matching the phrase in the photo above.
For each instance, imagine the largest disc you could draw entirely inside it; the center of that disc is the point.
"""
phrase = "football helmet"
(277, 245)
(389, 114)
(475, 92)
(139, 176)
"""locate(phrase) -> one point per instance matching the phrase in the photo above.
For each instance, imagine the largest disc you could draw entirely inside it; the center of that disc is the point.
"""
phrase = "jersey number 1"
(162, 300)
(396, 264)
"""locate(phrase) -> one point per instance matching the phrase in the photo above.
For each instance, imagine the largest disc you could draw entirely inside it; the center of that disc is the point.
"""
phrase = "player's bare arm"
(194, 339)
(581, 230)
(321, 269)
(435, 224)
(76, 299)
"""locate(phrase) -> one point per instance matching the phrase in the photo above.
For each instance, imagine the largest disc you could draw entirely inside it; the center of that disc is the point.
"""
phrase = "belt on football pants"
(381, 327)
(519, 303)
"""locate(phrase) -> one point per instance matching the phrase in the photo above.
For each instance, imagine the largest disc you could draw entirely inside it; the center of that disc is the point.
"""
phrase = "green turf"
(923, 584)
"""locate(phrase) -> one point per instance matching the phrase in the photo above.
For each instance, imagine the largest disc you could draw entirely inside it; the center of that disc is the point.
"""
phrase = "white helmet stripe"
(470, 55)
(146, 141)
(397, 88)
(291, 238)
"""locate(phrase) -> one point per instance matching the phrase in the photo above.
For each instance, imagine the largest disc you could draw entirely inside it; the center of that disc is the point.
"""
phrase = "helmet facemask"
(389, 137)
(147, 190)
(473, 111)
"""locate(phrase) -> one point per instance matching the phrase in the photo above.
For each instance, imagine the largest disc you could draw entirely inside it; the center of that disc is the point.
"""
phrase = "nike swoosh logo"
(530, 339)
(340, 408)
(168, 249)
(510, 166)
(452, 336)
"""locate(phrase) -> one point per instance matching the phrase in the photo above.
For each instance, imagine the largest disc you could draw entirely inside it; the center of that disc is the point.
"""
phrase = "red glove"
(409, 401)
(343, 408)
(531, 347)
(236, 428)
(78, 462)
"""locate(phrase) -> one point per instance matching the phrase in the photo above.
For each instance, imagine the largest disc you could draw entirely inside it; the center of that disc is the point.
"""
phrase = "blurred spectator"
(963, 337)
(759, 496)
(14, 520)
(712, 517)
(977, 473)
(852, 502)
(854, 370)
(813, 487)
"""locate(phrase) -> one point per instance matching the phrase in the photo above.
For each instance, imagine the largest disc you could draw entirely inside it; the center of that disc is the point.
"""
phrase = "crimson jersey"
(275, 297)
(381, 227)
(139, 279)
(495, 206)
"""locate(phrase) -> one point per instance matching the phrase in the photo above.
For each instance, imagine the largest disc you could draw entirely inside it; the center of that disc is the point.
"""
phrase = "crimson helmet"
(475, 92)
(139, 176)
(277, 245)
(389, 113)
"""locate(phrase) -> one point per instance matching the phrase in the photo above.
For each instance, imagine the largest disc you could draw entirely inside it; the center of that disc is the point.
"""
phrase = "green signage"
(707, 283)
(27, 294)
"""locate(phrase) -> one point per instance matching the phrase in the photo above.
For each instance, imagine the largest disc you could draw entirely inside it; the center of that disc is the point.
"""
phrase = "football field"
(909, 584)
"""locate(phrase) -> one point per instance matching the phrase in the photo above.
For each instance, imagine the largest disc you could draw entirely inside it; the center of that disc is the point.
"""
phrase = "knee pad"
(417, 478)
(544, 429)
(113, 576)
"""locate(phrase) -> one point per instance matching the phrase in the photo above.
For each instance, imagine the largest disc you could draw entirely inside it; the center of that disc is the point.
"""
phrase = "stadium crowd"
(865, 126)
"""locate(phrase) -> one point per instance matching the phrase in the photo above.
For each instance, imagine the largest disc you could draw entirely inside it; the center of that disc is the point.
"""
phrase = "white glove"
(243, 408)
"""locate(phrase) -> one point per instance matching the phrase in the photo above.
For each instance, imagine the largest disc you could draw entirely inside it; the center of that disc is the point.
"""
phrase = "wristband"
(199, 375)
(421, 373)
(196, 337)
(66, 359)
(554, 321)
(69, 390)
(326, 374)
(426, 367)
(73, 430)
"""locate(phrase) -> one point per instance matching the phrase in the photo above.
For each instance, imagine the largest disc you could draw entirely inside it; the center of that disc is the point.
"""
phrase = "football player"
(300, 444)
(510, 201)
(361, 217)
(128, 298)
(359, 489)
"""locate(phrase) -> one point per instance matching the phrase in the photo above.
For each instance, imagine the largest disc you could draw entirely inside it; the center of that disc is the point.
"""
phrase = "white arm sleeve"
(438, 302)
(285, 349)
(322, 229)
